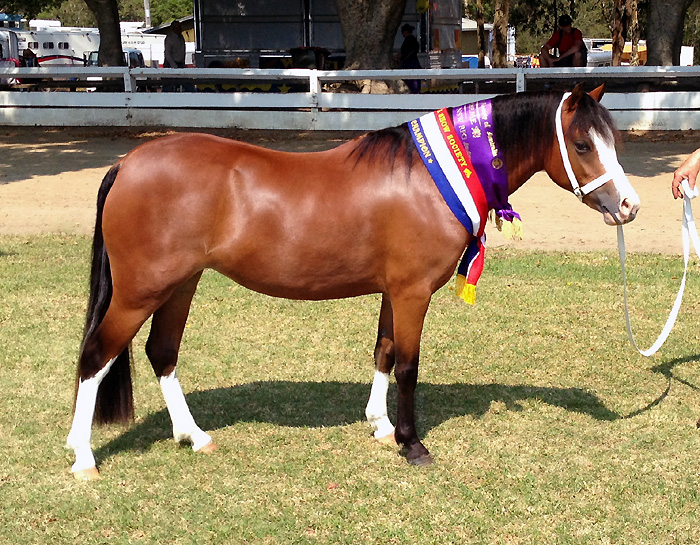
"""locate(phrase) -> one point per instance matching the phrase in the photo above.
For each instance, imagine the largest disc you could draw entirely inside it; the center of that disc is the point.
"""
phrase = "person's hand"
(689, 169)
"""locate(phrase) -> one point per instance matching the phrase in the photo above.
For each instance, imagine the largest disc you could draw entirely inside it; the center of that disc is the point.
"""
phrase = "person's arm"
(578, 44)
(547, 46)
(689, 169)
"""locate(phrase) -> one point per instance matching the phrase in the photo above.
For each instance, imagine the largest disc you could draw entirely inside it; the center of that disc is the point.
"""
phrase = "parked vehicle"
(72, 46)
(132, 57)
(9, 54)
(9, 45)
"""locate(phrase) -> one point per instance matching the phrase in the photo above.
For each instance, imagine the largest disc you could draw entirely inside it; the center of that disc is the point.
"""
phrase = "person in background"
(29, 58)
(174, 47)
(408, 58)
(569, 46)
(689, 169)
(174, 53)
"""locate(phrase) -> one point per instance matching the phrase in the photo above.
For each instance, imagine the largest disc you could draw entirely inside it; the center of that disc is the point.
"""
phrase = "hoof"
(210, 447)
(417, 455)
(89, 474)
(424, 460)
(389, 440)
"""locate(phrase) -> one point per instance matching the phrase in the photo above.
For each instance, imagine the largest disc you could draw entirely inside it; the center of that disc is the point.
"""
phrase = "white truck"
(72, 46)
(9, 45)
(9, 55)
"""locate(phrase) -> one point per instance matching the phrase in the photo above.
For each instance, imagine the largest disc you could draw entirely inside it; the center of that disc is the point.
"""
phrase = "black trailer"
(307, 33)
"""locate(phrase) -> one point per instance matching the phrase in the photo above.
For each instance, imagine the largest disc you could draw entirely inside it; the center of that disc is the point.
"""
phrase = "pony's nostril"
(628, 208)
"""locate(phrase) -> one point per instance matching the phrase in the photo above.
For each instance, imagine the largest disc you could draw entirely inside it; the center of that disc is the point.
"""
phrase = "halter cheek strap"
(591, 186)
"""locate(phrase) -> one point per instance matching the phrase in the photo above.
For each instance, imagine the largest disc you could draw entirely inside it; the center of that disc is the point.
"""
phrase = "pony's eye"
(582, 146)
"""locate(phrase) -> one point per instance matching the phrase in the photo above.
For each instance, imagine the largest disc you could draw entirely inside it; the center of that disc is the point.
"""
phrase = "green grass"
(545, 426)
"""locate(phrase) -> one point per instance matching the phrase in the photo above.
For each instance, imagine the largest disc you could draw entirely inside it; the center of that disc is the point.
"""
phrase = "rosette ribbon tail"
(470, 269)
(509, 223)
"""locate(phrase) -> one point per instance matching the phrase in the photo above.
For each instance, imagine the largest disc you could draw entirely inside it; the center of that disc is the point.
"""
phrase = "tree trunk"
(633, 30)
(107, 15)
(619, 31)
(665, 31)
(500, 34)
(480, 34)
(369, 29)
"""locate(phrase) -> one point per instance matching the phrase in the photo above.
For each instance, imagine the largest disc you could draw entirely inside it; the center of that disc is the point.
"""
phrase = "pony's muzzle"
(628, 209)
(625, 213)
(616, 200)
(621, 203)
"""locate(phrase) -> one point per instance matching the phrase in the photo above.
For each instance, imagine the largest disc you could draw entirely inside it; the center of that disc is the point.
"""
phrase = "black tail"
(115, 401)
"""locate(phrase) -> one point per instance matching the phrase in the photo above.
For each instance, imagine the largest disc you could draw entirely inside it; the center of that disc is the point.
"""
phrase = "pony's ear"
(575, 97)
(598, 92)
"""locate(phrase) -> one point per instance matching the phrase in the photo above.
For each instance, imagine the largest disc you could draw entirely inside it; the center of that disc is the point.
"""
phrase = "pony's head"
(584, 159)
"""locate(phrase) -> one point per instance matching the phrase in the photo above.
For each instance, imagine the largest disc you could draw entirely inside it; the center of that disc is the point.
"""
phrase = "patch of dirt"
(49, 180)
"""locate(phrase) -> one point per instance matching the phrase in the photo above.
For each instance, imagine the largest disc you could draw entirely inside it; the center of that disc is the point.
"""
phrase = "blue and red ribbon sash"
(454, 175)
(470, 269)
(451, 169)
(463, 158)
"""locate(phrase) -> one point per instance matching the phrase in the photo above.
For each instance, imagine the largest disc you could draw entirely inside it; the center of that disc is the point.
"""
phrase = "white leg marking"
(376, 411)
(81, 430)
(184, 426)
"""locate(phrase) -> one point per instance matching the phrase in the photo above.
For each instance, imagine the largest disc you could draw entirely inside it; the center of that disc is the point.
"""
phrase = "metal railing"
(311, 100)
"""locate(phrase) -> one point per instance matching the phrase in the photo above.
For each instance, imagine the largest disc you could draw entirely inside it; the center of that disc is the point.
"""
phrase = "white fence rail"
(314, 106)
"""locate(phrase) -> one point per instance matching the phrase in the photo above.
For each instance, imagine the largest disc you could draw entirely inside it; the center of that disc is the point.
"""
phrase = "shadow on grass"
(666, 369)
(328, 404)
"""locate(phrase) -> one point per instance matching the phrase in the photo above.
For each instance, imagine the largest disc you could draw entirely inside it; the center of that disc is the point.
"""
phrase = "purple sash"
(474, 124)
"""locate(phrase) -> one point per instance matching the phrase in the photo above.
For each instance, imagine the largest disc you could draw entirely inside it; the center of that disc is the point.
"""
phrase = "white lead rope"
(689, 232)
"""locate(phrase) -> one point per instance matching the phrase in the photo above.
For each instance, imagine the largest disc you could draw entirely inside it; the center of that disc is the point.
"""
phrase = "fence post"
(520, 85)
(314, 90)
(129, 81)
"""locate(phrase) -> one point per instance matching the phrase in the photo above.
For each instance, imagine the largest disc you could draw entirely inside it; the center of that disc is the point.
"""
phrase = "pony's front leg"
(78, 440)
(162, 348)
(376, 411)
(409, 314)
(185, 428)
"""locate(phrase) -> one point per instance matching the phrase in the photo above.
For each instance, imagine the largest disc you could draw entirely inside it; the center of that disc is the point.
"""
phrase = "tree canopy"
(27, 8)
(77, 13)
(370, 25)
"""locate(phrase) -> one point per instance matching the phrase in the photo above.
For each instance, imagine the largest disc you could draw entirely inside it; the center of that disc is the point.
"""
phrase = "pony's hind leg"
(103, 383)
(162, 349)
(376, 411)
(84, 467)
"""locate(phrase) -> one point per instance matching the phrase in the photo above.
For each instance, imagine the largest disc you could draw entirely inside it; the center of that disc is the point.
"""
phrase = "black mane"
(393, 142)
(525, 124)
(524, 127)
(591, 115)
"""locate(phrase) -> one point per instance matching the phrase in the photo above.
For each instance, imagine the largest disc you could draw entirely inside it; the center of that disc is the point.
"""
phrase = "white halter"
(591, 186)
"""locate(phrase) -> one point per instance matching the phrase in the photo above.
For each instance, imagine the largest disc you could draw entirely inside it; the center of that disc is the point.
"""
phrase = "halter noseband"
(591, 186)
